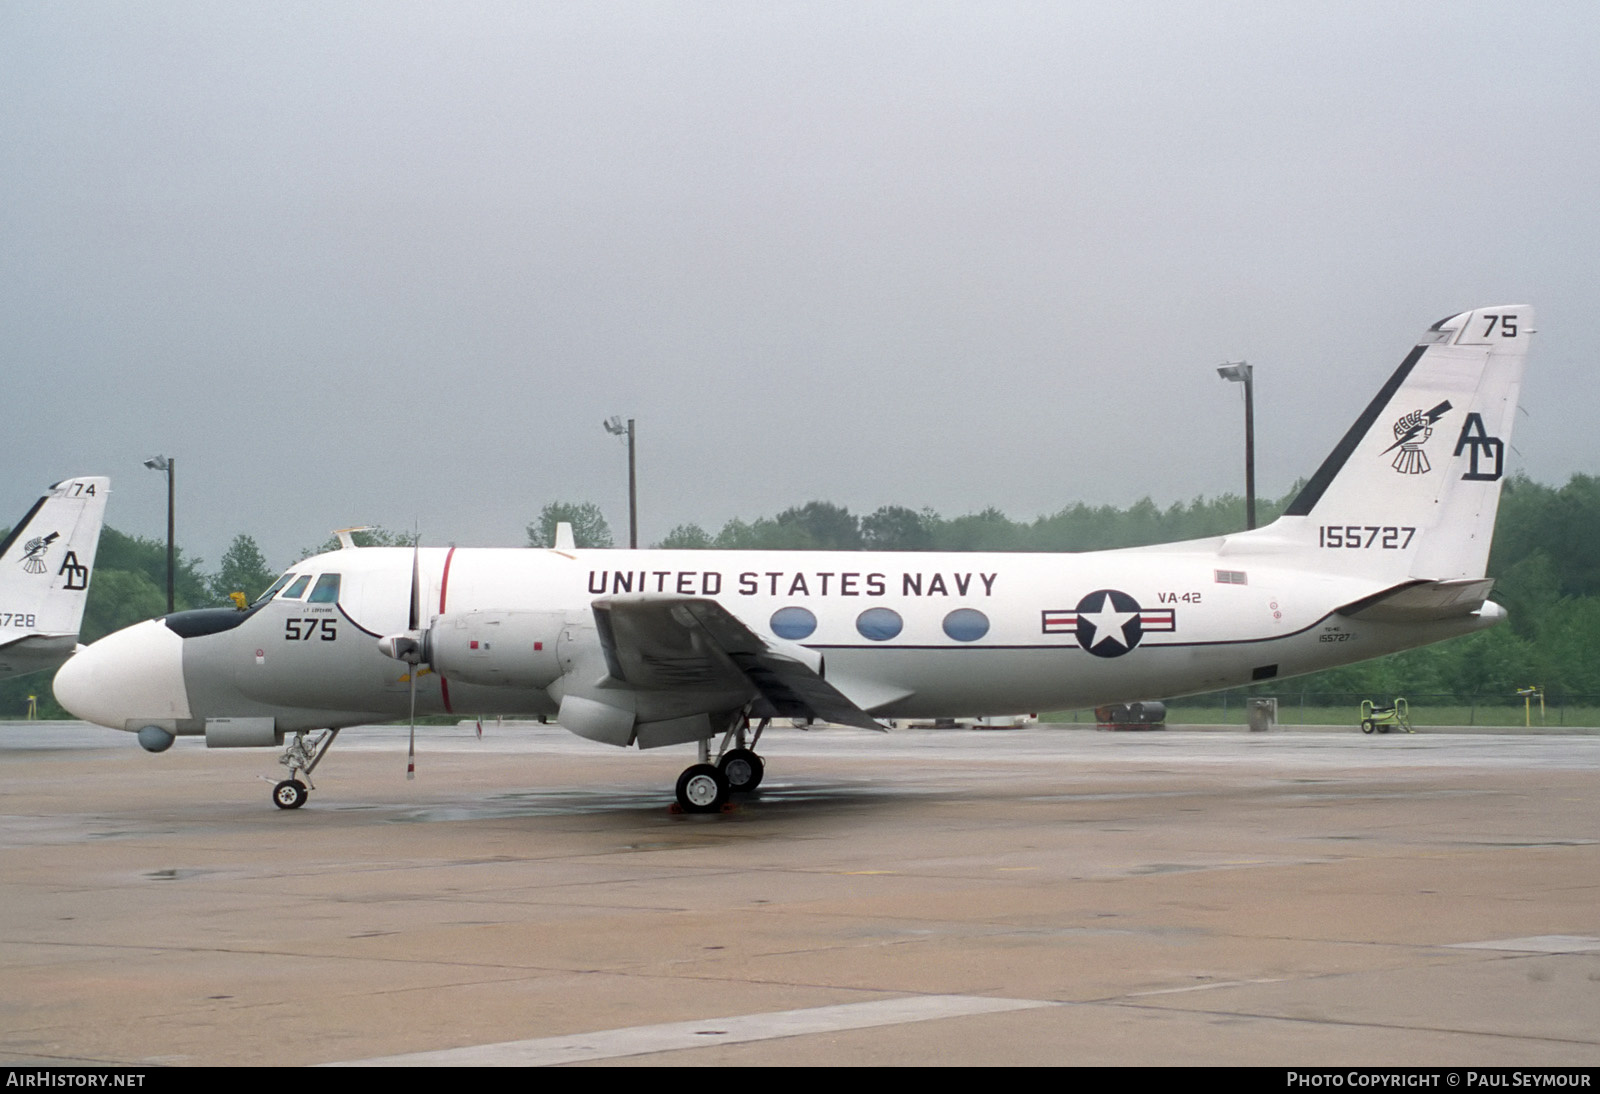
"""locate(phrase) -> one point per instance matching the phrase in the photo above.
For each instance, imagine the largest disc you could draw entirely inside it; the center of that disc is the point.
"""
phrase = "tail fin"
(45, 565)
(1412, 489)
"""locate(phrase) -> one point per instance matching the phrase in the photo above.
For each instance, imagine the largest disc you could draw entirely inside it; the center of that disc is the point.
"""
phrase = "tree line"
(1545, 561)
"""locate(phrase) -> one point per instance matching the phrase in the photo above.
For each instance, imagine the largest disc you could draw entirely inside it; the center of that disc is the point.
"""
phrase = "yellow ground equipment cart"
(1384, 719)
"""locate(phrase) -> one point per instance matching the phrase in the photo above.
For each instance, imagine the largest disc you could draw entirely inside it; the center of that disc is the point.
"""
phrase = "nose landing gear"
(300, 757)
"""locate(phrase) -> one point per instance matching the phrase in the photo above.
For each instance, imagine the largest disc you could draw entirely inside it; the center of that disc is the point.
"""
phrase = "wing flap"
(668, 642)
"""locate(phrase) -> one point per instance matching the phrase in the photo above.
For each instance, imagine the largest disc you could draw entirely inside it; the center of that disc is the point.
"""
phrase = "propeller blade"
(411, 749)
(416, 588)
(414, 628)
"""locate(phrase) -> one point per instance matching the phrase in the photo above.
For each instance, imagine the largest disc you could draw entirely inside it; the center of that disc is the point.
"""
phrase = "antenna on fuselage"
(346, 537)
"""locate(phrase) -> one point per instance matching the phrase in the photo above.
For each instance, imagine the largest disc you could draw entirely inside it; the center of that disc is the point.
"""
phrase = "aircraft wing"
(1421, 601)
(666, 642)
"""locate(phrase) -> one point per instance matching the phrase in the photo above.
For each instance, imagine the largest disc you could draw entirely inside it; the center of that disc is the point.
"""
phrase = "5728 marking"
(1362, 536)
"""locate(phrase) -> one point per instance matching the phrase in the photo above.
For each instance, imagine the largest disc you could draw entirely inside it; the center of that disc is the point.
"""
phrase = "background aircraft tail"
(1410, 492)
(45, 563)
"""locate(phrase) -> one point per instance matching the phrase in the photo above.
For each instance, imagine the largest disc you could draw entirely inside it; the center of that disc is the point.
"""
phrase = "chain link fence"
(1310, 707)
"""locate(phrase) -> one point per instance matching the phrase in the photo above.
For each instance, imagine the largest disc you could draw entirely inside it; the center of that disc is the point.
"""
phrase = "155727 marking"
(1360, 537)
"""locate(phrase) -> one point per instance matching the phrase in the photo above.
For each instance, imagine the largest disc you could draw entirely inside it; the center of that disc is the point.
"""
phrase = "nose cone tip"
(126, 679)
(70, 683)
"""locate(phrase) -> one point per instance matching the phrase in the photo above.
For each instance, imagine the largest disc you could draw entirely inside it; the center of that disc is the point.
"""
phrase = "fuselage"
(900, 634)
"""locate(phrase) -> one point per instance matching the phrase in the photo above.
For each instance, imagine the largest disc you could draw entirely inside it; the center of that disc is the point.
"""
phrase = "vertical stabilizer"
(1411, 490)
(45, 565)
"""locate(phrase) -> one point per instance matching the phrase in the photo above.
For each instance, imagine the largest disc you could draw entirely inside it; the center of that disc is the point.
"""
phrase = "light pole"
(615, 427)
(168, 465)
(1240, 372)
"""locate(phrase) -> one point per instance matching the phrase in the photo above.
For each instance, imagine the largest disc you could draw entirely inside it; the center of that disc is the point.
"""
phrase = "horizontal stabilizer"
(1421, 601)
(35, 652)
(653, 642)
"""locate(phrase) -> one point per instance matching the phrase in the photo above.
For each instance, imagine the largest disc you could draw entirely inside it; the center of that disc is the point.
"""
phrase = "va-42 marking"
(1363, 536)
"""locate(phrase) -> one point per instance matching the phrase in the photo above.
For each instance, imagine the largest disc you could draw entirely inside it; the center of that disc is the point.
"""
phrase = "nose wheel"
(290, 794)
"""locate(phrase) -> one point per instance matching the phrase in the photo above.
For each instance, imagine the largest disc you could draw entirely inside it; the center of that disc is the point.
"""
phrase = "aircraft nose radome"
(128, 679)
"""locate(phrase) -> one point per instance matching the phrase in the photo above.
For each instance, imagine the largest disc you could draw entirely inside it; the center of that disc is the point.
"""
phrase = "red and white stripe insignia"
(1158, 619)
(1151, 621)
(1060, 622)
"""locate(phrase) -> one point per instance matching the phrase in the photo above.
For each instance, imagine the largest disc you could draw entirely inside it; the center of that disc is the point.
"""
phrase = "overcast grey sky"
(394, 262)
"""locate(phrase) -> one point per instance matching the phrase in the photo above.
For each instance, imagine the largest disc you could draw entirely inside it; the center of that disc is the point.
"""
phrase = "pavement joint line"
(1540, 943)
(700, 1033)
(1206, 987)
(1350, 1023)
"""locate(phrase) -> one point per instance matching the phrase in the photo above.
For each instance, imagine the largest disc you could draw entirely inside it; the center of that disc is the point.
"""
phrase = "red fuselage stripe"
(444, 587)
(444, 582)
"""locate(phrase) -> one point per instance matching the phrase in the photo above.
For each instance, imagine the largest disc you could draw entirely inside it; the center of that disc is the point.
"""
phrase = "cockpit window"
(276, 585)
(295, 591)
(326, 590)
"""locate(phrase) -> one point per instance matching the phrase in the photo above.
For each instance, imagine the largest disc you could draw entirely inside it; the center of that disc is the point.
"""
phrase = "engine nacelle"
(496, 649)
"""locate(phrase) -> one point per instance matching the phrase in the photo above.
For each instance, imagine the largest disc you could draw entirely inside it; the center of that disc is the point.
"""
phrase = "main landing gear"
(300, 757)
(705, 787)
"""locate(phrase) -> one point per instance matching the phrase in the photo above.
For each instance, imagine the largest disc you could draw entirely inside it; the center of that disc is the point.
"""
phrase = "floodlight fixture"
(1240, 372)
(168, 467)
(615, 427)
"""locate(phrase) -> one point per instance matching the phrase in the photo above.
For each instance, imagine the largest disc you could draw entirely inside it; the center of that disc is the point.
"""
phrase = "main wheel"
(289, 794)
(702, 789)
(743, 770)
(1366, 725)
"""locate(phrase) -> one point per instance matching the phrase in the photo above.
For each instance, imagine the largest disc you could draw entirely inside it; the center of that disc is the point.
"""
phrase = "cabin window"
(297, 590)
(966, 624)
(326, 590)
(793, 623)
(879, 624)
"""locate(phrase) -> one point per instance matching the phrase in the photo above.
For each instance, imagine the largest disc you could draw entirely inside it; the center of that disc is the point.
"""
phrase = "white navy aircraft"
(45, 565)
(1384, 549)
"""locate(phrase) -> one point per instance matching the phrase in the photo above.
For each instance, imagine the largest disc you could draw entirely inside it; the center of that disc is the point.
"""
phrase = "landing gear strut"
(300, 757)
(706, 786)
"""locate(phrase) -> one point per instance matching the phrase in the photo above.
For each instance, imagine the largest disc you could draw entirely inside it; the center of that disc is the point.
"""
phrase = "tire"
(743, 770)
(702, 789)
(289, 794)
(1366, 725)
